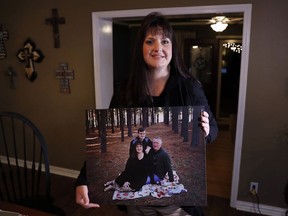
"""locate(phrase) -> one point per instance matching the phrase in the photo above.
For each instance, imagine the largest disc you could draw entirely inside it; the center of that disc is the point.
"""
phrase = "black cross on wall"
(3, 37)
(55, 20)
(65, 75)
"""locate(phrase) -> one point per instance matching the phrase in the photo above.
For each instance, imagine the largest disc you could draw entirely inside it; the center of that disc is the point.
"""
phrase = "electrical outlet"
(254, 188)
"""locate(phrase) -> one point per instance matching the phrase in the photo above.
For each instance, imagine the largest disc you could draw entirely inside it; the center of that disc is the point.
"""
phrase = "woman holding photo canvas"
(158, 78)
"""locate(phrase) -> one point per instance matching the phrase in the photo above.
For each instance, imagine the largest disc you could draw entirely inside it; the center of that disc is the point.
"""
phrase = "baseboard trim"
(265, 209)
(64, 172)
(53, 169)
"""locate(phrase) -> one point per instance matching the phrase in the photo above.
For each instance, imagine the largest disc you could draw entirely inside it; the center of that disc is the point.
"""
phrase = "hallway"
(220, 155)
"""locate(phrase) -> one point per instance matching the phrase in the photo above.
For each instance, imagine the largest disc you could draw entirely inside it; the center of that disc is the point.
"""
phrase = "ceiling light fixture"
(219, 23)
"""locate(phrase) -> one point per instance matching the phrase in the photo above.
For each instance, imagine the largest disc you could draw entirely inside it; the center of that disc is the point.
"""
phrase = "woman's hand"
(82, 197)
(205, 123)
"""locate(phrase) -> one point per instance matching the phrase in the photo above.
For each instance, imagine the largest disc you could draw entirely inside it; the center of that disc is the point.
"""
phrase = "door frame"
(103, 63)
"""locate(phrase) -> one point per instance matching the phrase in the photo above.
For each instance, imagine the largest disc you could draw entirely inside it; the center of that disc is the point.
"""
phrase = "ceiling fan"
(210, 19)
(217, 23)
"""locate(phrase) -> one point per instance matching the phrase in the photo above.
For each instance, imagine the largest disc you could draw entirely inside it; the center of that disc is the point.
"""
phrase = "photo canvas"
(109, 140)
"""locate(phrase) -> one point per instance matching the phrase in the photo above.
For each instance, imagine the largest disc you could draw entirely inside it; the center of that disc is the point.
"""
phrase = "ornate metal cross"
(55, 20)
(3, 37)
(65, 75)
(29, 55)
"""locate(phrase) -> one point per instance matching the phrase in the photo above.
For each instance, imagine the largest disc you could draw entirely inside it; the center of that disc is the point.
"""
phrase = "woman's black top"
(136, 173)
(178, 91)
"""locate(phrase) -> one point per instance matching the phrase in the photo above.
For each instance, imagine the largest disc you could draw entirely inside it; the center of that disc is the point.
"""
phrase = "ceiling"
(184, 20)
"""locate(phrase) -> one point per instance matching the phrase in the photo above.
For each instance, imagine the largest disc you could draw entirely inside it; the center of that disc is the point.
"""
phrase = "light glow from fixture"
(107, 29)
(219, 23)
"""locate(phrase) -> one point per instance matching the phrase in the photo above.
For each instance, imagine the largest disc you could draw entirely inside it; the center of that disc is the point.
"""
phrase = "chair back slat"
(33, 168)
(7, 176)
(25, 167)
(4, 190)
(37, 185)
(4, 141)
(16, 169)
(18, 175)
(14, 140)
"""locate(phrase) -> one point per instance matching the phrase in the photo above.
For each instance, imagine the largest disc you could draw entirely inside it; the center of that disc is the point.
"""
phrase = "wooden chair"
(24, 164)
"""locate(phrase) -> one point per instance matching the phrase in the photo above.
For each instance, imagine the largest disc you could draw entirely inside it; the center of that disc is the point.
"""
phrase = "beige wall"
(60, 117)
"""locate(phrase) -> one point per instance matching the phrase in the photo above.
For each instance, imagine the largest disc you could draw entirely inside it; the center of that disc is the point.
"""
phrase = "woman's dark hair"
(138, 142)
(137, 92)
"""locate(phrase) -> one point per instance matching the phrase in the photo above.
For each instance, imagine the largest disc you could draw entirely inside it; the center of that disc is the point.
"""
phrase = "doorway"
(216, 64)
(229, 76)
(103, 66)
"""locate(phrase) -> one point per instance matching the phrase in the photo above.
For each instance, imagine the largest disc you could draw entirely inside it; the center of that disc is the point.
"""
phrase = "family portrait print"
(146, 156)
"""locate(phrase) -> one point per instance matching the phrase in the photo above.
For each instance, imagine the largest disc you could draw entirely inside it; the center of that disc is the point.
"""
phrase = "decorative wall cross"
(29, 55)
(55, 20)
(3, 37)
(11, 74)
(65, 75)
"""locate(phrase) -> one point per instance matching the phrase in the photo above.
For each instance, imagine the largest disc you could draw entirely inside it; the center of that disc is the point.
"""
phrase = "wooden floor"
(219, 163)
(219, 175)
